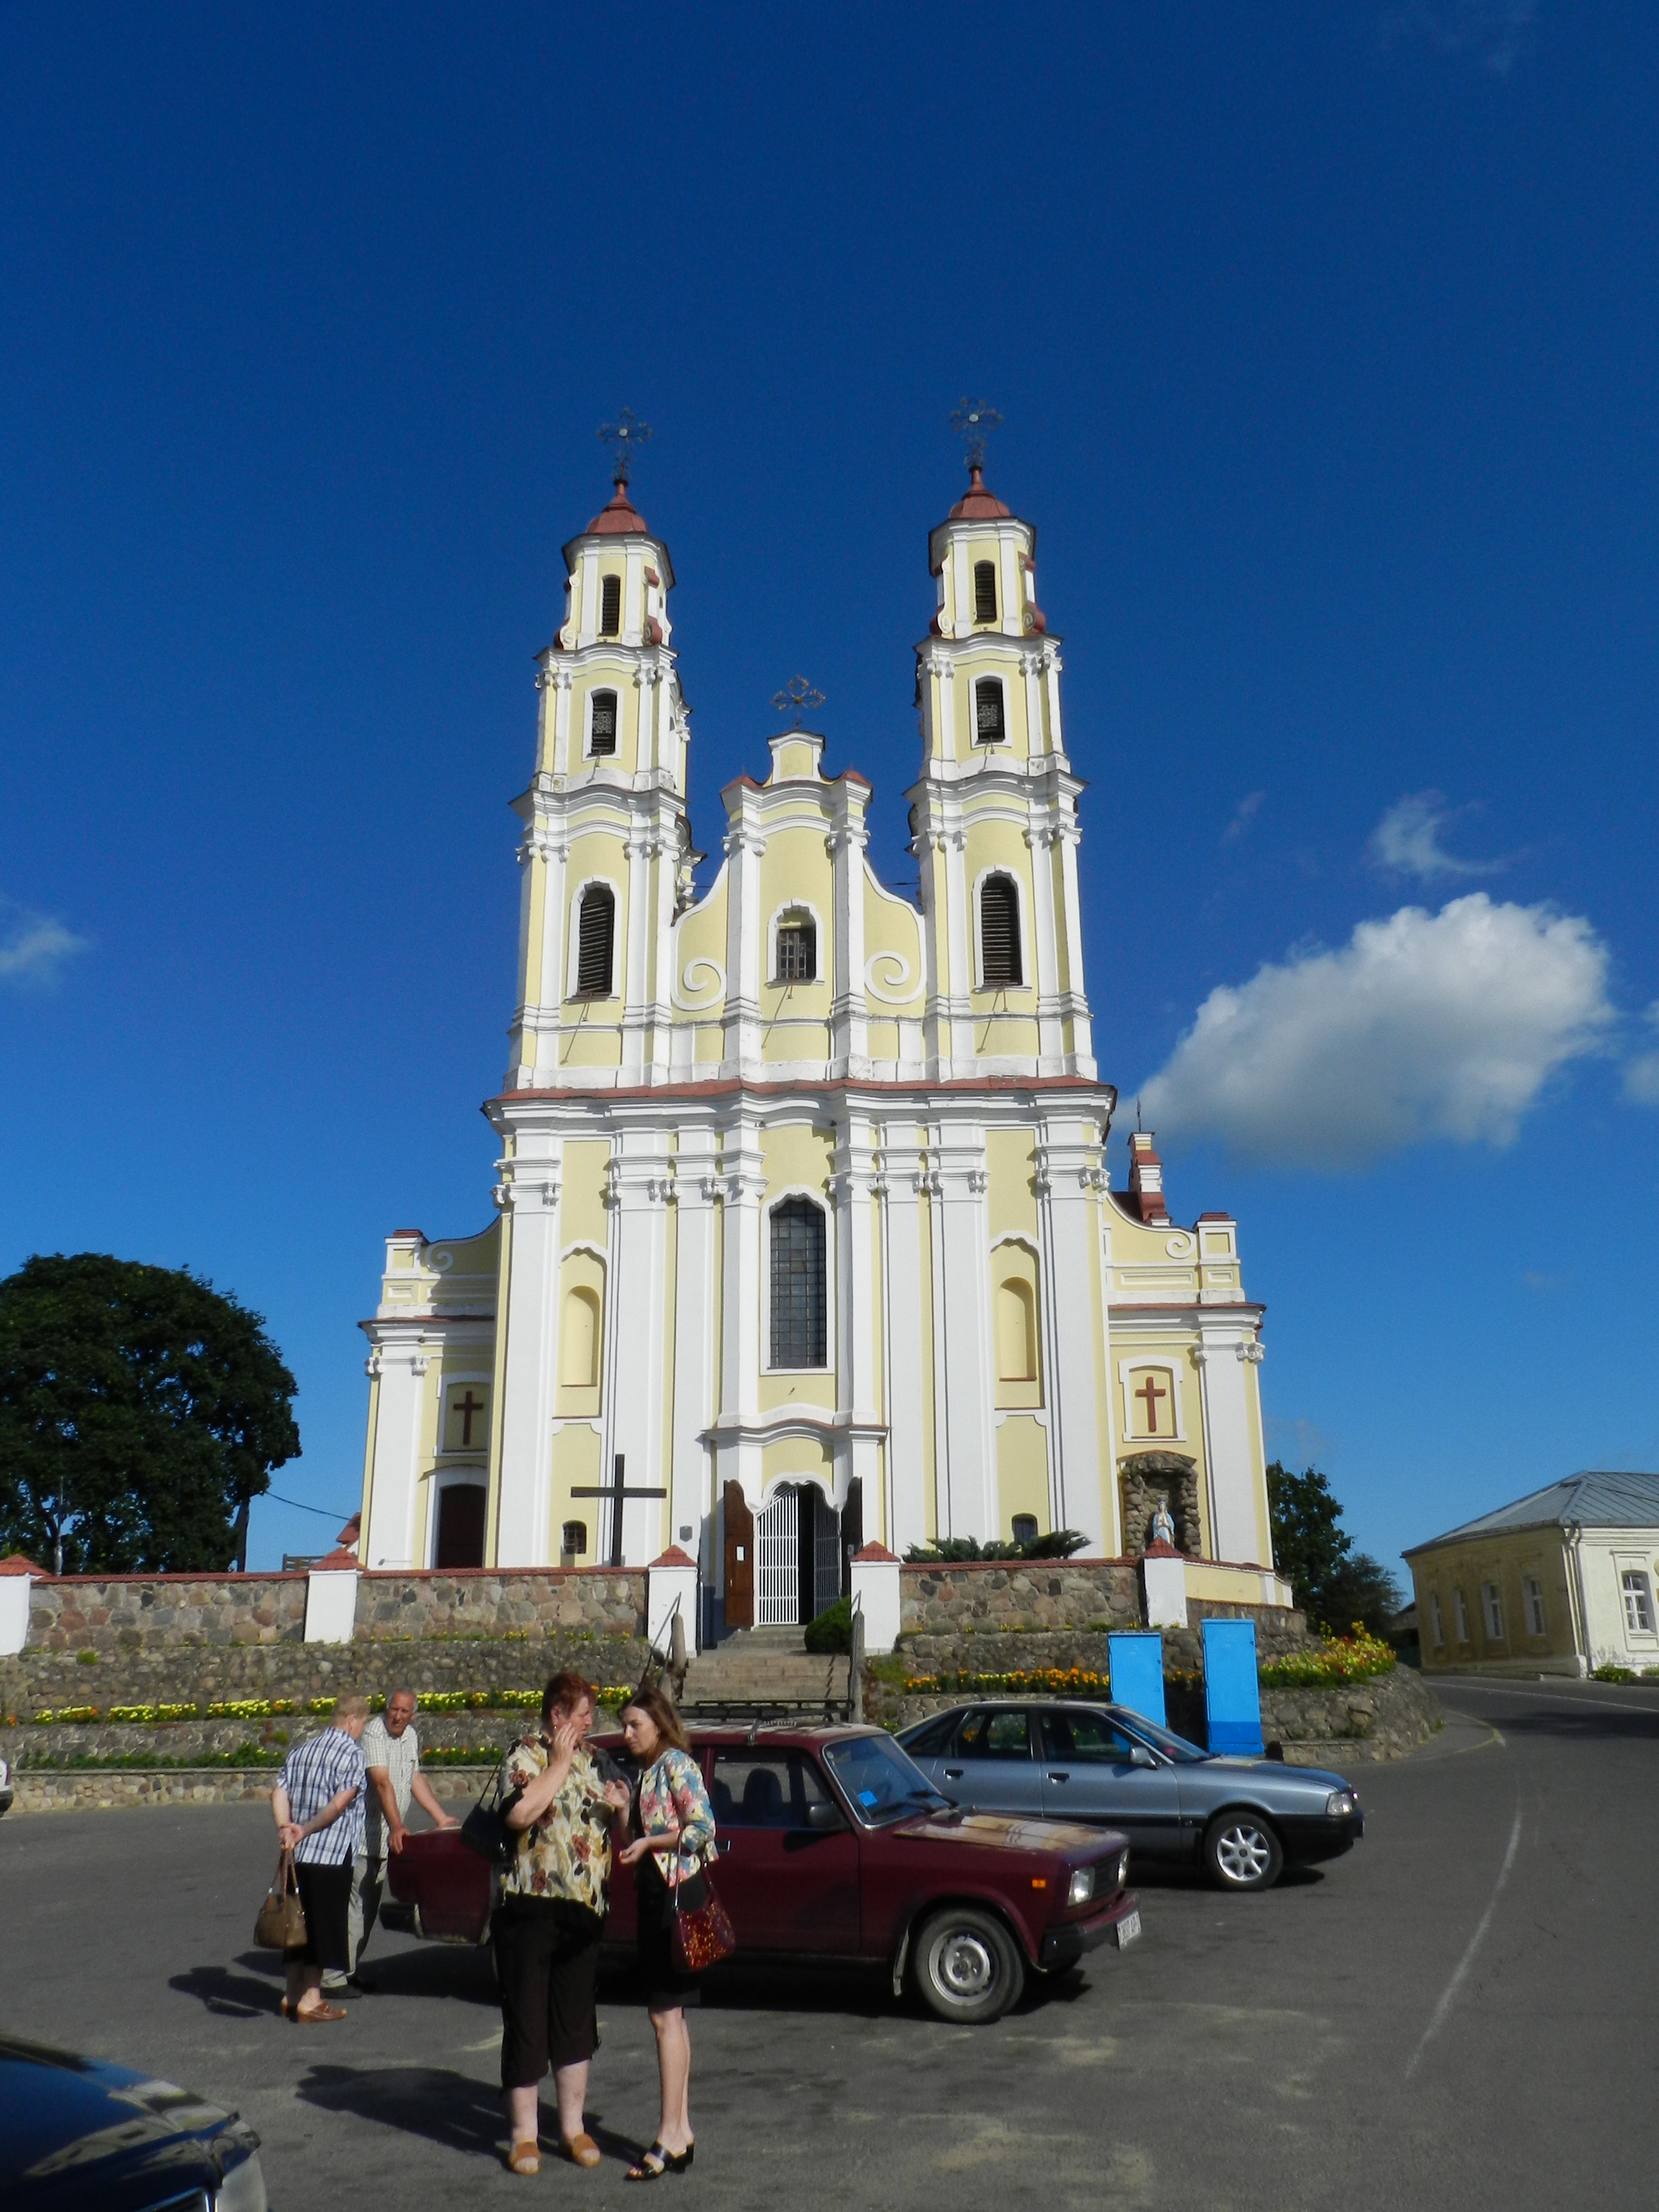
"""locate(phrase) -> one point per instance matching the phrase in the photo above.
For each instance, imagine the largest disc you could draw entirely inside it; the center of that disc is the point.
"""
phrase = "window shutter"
(985, 591)
(611, 606)
(603, 739)
(596, 931)
(798, 1291)
(999, 933)
(988, 728)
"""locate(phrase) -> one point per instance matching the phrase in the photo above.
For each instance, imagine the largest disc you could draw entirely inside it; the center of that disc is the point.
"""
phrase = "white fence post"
(875, 1576)
(16, 1581)
(331, 1599)
(673, 1576)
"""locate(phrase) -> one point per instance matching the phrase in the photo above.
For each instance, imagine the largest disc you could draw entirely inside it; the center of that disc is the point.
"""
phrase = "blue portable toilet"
(1137, 1664)
(1232, 1693)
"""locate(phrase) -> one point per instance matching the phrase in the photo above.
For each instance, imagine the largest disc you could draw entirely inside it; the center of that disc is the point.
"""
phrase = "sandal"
(317, 2013)
(525, 2157)
(582, 2150)
(658, 2160)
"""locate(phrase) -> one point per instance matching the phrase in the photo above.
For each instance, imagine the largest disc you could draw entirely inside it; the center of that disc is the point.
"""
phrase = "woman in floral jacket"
(675, 1843)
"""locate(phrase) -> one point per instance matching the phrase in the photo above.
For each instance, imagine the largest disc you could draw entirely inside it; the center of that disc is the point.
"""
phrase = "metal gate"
(777, 1560)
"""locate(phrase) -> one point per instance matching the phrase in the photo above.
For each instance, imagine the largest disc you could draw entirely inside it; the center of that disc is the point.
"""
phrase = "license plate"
(1126, 1931)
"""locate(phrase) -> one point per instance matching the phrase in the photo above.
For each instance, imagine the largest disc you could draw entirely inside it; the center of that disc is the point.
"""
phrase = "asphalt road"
(1460, 2012)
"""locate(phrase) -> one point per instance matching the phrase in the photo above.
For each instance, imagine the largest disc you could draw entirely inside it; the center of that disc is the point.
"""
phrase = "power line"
(323, 1510)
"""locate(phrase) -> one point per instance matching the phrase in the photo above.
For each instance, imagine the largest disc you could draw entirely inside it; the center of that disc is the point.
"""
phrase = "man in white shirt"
(391, 1754)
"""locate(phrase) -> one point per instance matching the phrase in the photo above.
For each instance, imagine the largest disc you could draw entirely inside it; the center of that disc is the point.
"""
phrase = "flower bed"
(1355, 1658)
(259, 1709)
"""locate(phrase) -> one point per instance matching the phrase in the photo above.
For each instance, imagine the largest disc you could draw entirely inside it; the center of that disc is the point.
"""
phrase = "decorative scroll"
(904, 979)
(717, 990)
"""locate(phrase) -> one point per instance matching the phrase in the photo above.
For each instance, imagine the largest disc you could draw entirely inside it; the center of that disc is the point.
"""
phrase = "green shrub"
(833, 1629)
(1608, 1673)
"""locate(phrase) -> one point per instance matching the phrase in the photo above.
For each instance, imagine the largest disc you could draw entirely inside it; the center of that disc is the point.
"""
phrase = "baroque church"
(804, 1237)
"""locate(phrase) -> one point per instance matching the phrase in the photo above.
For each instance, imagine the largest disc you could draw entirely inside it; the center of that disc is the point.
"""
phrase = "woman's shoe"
(658, 2160)
(582, 2150)
(525, 2157)
(314, 2016)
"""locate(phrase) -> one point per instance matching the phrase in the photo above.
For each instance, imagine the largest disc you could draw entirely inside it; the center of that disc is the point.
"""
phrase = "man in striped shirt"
(318, 1804)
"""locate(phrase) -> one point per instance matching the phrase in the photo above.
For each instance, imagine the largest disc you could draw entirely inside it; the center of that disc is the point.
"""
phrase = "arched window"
(596, 931)
(610, 606)
(602, 733)
(1016, 1346)
(797, 949)
(573, 1540)
(1025, 1529)
(999, 934)
(989, 727)
(985, 591)
(578, 1340)
(799, 1303)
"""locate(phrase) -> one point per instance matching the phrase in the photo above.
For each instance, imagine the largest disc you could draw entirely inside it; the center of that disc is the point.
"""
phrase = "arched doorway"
(798, 1566)
(460, 1541)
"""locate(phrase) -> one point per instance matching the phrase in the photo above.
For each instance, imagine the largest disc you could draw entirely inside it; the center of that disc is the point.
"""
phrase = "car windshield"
(879, 1778)
(1162, 1739)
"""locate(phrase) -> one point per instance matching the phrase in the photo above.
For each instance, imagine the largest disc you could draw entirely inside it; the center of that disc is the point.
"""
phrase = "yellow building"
(1558, 1582)
(804, 1217)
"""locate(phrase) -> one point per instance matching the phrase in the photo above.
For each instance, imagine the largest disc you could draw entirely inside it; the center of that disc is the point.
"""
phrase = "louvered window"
(798, 952)
(988, 726)
(604, 738)
(799, 1300)
(999, 934)
(596, 931)
(985, 591)
(611, 606)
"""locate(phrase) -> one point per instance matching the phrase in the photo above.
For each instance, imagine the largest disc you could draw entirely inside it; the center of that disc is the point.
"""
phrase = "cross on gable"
(618, 1492)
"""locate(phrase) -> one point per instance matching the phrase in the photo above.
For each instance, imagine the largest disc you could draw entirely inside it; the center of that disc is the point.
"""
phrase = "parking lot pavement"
(1459, 2012)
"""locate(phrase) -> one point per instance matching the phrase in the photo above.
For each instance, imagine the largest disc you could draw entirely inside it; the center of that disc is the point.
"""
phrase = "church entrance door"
(798, 1566)
(460, 1525)
(740, 1531)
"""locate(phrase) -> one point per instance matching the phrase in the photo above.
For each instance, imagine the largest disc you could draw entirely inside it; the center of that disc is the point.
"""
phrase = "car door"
(788, 1885)
(1088, 1772)
(991, 1765)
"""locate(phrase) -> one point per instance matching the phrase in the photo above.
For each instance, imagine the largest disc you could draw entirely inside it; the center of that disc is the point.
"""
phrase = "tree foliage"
(140, 1411)
(1334, 1584)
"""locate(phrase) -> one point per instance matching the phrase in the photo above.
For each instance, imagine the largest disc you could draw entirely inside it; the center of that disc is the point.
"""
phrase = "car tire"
(1241, 1851)
(968, 1967)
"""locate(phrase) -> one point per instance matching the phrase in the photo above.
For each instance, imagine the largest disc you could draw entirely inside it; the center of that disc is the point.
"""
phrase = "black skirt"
(665, 1983)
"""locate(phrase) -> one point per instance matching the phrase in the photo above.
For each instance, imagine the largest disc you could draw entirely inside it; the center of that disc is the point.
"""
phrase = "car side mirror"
(823, 1817)
(1140, 1756)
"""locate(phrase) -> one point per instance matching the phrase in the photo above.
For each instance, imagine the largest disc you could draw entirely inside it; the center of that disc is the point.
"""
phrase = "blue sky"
(1325, 337)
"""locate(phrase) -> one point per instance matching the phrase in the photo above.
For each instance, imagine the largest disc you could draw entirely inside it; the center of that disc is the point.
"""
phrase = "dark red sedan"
(833, 1846)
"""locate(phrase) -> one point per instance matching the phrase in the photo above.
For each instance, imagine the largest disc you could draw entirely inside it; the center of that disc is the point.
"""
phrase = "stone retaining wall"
(125, 1787)
(977, 1595)
(216, 1673)
(129, 1614)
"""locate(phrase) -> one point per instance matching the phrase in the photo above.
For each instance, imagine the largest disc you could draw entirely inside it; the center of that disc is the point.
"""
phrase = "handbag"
(704, 1936)
(281, 1925)
(485, 1830)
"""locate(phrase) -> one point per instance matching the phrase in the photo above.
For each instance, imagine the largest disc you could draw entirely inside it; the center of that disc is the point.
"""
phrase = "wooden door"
(460, 1525)
(739, 1523)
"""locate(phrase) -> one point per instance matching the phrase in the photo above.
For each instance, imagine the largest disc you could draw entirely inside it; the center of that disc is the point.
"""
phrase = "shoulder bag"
(703, 1934)
(485, 1830)
(281, 1925)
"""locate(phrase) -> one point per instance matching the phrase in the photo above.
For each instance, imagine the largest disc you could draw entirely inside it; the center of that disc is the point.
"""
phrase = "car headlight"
(243, 2189)
(1083, 1886)
(1340, 1804)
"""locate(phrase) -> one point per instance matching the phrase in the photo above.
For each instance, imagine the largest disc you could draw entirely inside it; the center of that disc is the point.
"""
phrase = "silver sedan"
(1241, 1819)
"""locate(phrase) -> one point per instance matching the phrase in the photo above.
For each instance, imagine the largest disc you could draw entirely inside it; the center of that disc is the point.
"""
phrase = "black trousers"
(326, 1893)
(547, 1961)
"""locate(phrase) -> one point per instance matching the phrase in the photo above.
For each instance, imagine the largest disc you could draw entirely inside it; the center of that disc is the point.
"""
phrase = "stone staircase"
(767, 1666)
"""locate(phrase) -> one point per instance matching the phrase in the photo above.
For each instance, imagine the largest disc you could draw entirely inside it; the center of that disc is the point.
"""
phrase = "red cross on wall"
(467, 1407)
(1149, 1393)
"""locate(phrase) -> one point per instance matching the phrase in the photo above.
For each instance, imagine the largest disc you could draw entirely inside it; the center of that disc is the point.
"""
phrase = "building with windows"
(803, 1235)
(1557, 1583)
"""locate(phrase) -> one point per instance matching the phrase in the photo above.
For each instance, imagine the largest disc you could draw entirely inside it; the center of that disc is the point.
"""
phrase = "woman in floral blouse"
(548, 1925)
(675, 1843)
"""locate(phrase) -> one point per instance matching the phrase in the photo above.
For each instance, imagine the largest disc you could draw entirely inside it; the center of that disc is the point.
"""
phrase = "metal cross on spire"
(797, 697)
(624, 437)
(973, 421)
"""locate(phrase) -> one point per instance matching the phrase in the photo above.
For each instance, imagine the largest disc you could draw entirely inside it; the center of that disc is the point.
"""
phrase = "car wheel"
(1241, 1852)
(968, 1969)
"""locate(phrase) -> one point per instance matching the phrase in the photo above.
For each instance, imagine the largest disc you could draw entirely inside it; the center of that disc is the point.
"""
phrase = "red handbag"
(703, 1935)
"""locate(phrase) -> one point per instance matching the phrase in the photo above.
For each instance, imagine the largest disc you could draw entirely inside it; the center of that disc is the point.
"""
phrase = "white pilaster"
(1051, 1042)
(1068, 1177)
(1224, 1355)
(691, 1482)
(530, 1188)
(743, 948)
(906, 1372)
(852, 1193)
(969, 1486)
(399, 1365)
(849, 1027)
(635, 1335)
(745, 1178)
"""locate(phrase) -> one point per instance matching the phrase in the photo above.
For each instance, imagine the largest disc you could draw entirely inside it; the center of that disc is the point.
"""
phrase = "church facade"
(803, 1233)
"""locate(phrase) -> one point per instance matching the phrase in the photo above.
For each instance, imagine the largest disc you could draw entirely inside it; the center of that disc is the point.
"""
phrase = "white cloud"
(1423, 1026)
(1642, 1073)
(1243, 814)
(1407, 840)
(33, 946)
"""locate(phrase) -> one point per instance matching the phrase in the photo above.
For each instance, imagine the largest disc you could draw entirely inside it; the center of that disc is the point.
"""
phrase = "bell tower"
(993, 818)
(606, 852)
